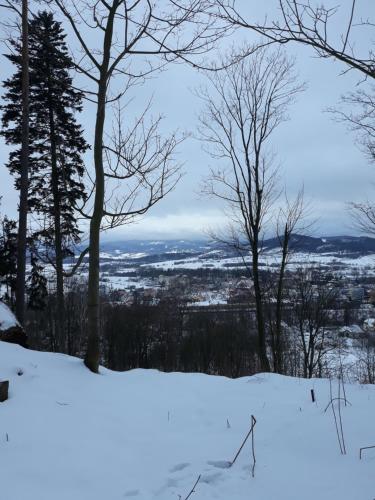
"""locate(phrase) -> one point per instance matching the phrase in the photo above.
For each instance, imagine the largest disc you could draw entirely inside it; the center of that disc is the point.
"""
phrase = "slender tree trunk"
(277, 347)
(92, 357)
(264, 362)
(60, 306)
(24, 175)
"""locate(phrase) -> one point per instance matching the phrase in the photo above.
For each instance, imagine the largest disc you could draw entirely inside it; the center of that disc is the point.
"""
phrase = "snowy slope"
(145, 435)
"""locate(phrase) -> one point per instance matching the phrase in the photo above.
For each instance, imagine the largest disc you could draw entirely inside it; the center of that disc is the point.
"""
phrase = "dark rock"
(4, 387)
(10, 330)
(14, 335)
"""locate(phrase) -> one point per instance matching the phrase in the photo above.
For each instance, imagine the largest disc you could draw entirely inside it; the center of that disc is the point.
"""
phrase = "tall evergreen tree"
(56, 143)
(37, 285)
(8, 259)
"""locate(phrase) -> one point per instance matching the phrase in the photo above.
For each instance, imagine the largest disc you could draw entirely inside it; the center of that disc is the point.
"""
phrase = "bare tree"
(288, 223)
(311, 25)
(312, 301)
(128, 33)
(362, 122)
(359, 114)
(247, 102)
(308, 24)
(363, 215)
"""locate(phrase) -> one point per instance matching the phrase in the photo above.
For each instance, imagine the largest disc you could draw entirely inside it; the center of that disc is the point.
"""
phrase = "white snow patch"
(7, 318)
(66, 433)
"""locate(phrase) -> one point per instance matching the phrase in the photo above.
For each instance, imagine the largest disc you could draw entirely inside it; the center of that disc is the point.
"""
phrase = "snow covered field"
(68, 434)
(270, 259)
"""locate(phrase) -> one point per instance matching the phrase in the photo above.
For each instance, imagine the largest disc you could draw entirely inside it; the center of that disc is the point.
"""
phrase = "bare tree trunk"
(92, 353)
(24, 176)
(262, 346)
(277, 344)
(92, 357)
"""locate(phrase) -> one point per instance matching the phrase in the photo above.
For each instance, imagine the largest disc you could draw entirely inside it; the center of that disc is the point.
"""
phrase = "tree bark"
(24, 176)
(277, 344)
(92, 357)
(93, 352)
(262, 346)
(60, 306)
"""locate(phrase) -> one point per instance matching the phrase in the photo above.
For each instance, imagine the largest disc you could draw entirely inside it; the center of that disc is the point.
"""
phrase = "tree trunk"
(59, 313)
(263, 358)
(24, 175)
(277, 347)
(92, 357)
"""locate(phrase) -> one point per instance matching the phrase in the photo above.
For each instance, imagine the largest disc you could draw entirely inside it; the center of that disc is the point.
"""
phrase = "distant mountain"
(153, 247)
(148, 251)
(351, 245)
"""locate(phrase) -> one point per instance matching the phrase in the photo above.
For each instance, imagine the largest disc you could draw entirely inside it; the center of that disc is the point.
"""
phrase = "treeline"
(55, 185)
(172, 336)
(165, 336)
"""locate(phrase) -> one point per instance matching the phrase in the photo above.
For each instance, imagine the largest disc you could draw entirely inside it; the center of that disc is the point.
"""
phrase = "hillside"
(69, 434)
(353, 246)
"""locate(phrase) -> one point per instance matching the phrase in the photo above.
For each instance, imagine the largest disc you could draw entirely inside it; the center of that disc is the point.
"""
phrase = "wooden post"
(312, 395)
(4, 386)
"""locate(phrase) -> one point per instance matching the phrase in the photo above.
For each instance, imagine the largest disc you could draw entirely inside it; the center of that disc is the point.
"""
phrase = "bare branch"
(308, 25)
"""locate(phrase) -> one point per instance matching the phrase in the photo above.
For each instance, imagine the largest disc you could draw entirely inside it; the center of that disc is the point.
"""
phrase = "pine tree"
(37, 286)
(8, 259)
(56, 143)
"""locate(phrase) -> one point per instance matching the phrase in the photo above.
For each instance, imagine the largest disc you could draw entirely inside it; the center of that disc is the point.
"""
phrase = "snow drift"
(66, 433)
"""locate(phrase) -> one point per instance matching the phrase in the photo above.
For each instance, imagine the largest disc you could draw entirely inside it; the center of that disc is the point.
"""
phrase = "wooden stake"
(4, 387)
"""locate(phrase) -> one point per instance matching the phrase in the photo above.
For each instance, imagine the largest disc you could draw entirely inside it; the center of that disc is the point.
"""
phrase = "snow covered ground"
(270, 259)
(7, 318)
(66, 433)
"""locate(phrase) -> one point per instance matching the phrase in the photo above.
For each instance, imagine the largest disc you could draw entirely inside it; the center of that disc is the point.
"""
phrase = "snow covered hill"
(67, 434)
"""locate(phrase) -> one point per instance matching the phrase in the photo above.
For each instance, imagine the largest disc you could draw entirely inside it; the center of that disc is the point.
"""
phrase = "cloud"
(183, 225)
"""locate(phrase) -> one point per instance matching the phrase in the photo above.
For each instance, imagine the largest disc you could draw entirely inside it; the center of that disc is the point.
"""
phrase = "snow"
(7, 318)
(125, 282)
(147, 435)
(268, 260)
(369, 324)
(123, 255)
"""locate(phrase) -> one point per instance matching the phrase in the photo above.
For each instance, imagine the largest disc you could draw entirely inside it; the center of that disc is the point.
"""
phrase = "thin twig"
(340, 418)
(335, 399)
(253, 422)
(252, 446)
(364, 448)
(334, 416)
(193, 488)
(342, 379)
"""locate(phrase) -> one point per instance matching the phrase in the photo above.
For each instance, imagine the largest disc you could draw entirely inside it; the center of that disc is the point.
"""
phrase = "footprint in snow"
(131, 493)
(179, 467)
(211, 478)
(219, 464)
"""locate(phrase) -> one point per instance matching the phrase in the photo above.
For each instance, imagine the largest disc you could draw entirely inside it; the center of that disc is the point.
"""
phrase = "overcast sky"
(312, 149)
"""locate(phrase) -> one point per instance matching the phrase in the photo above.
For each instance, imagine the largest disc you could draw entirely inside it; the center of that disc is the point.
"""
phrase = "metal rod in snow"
(335, 418)
(364, 448)
(253, 422)
(340, 419)
(252, 446)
